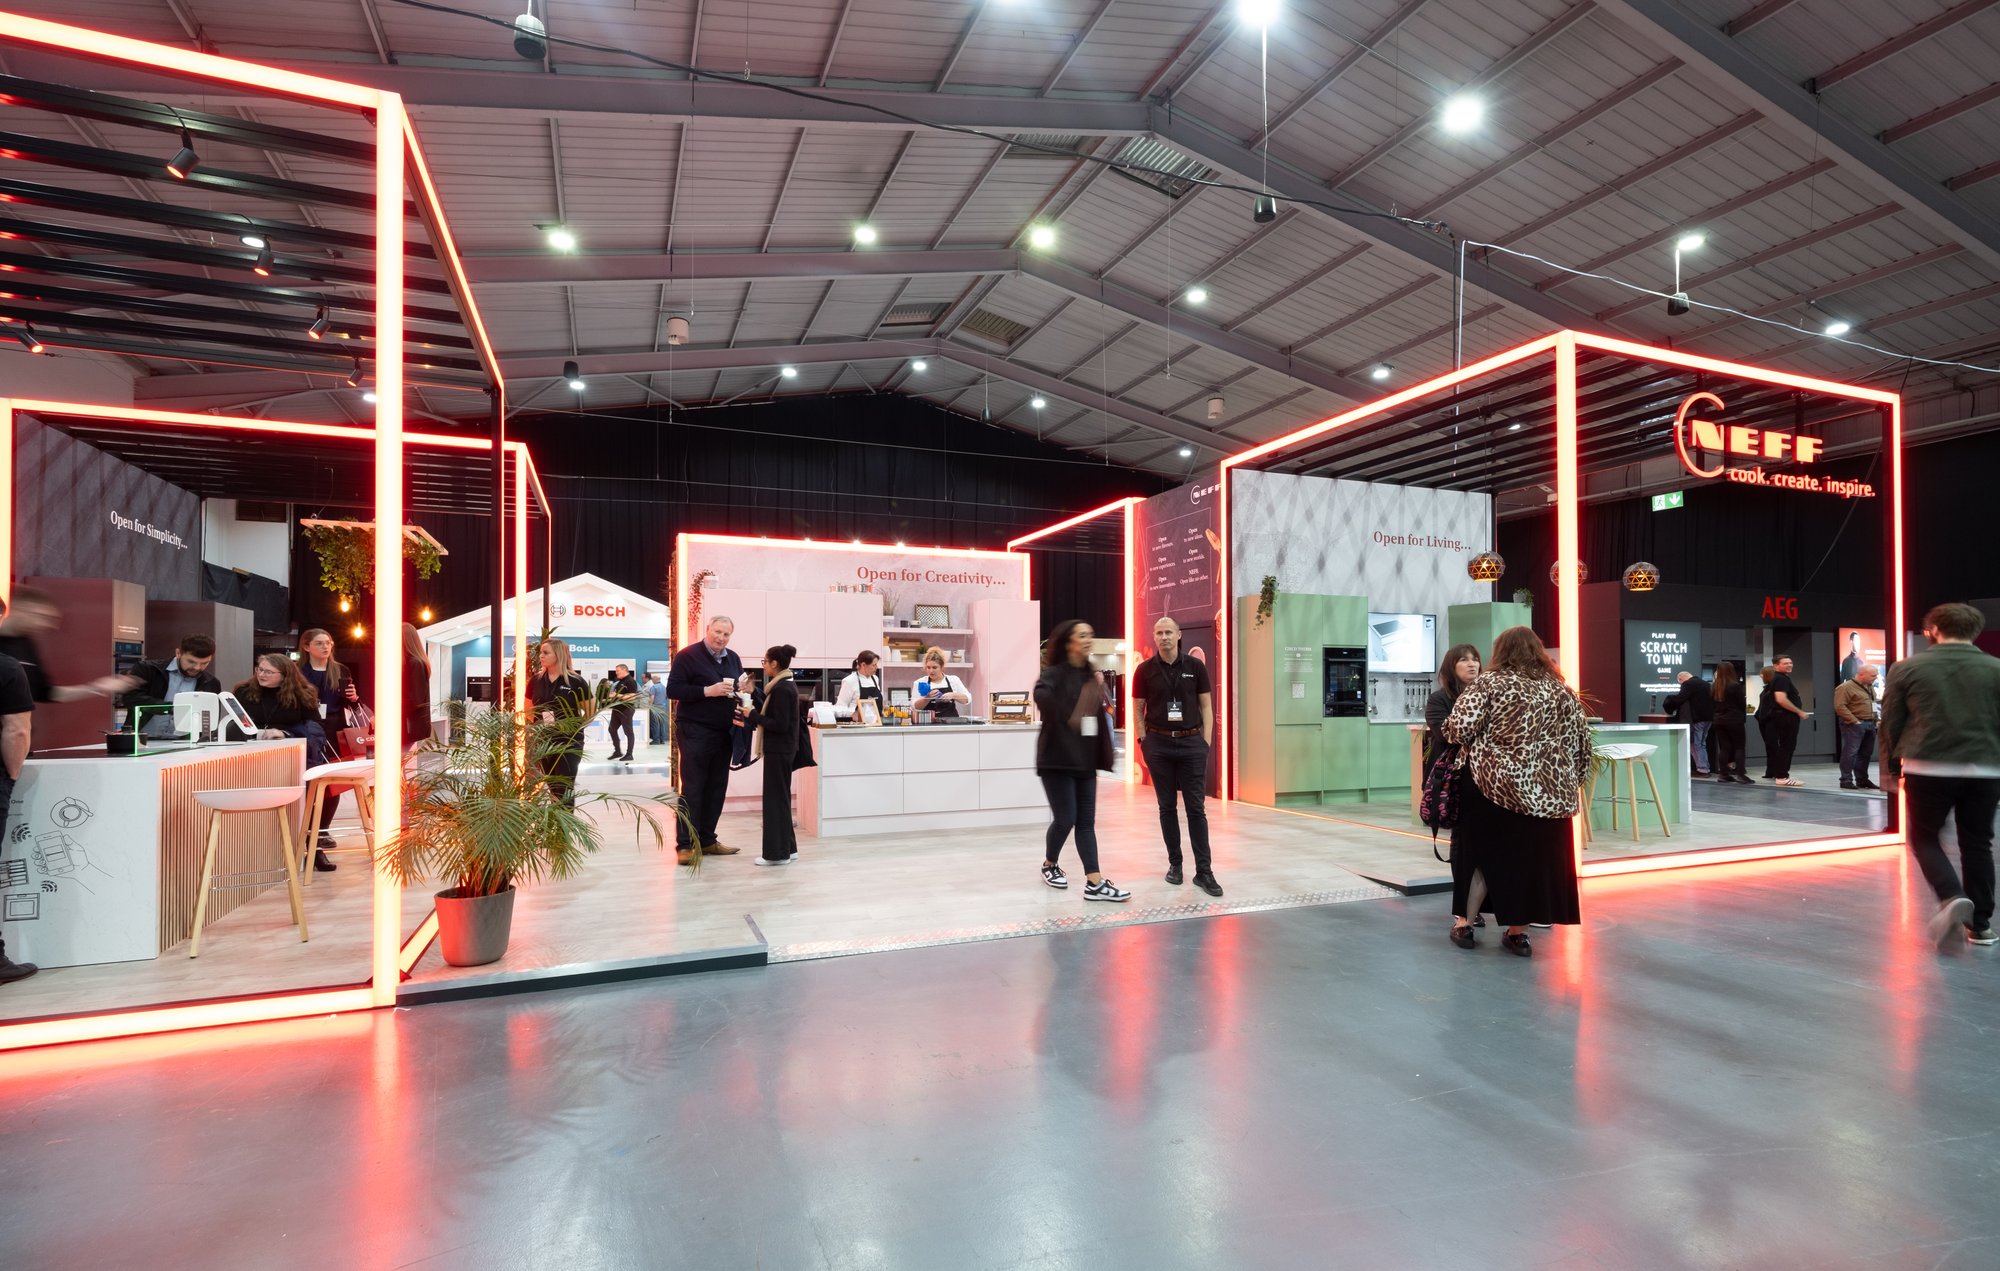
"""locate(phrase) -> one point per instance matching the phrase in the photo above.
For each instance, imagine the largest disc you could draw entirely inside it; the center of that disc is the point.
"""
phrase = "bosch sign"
(599, 611)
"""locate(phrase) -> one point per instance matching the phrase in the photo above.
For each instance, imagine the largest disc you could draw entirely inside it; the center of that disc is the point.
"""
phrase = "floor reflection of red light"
(1906, 963)
(1132, 967)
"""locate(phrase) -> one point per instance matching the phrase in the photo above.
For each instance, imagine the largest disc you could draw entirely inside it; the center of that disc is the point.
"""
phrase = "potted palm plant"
(479, 813)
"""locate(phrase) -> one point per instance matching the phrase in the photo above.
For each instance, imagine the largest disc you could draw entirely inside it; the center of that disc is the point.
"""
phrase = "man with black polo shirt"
(17, 716)
(701, 684)
(1173, 718)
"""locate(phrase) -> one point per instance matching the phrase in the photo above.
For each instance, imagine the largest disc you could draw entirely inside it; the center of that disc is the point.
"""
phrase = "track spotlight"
(354, 377)
(1462, 113)
(1042, 237)
(1381, 371)
(185, 160)
(864, 234)
(573, 377)
(1264, 210)
(788, 372)
(262, 265)
(29, 340)
(317, 330)
(920, 365)
(1039, 402)
(252, 239)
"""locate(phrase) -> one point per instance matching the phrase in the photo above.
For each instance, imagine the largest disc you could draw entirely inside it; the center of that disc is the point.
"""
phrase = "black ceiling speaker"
(1266, 210)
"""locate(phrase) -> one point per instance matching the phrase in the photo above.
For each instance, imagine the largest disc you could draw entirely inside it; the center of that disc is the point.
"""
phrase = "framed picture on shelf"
(933, 615)
(899, 697)
(868, 712)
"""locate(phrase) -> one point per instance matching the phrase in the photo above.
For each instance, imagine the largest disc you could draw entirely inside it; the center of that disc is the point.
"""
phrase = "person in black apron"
(864, 685)
(937, 692)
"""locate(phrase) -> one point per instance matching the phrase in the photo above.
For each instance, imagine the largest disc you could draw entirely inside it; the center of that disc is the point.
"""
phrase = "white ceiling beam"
(1881, 211)
(1076, 46)
(1909, 39)
(1943, 114)
(543, 270)
(1798, 114)
(1361, 47)
(833, 45)
(958, 49)
(376, 32)
(1194, 36)
(778, 204)
(1758, 16)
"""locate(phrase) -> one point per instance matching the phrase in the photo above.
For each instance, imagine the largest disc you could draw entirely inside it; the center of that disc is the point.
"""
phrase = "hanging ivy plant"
(694, 600)
(1267, 595)
(347, 558)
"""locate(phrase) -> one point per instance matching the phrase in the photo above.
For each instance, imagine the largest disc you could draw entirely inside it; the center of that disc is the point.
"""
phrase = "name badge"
(1174, 711)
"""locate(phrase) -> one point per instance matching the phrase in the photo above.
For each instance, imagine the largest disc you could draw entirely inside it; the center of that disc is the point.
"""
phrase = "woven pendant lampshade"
(1582, 573)
(1486, 567)
(1642, 576)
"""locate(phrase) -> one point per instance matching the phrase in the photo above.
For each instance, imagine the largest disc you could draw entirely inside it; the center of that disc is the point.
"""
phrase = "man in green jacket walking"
(1941, 735)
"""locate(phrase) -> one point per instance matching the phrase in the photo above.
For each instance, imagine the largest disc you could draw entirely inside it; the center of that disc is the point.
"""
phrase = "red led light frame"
(1563, 347)
(398, 156)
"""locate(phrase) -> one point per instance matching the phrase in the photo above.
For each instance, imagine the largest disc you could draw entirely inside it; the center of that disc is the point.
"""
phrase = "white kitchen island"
(900, 780)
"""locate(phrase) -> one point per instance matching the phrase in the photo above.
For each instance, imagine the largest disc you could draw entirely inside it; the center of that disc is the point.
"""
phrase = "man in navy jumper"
(702, 686)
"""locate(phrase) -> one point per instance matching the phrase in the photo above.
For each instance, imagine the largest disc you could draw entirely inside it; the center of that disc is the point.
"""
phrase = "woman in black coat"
(1458, 670)
(1074, 744)
(283, 704)
(558, 695)
(778, 717)
(1729, 731)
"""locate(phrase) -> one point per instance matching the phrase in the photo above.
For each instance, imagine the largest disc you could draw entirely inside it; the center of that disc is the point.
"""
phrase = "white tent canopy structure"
(604, 623)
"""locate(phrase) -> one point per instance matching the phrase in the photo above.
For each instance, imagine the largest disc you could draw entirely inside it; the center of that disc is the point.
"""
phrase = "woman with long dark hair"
(1074, 744)
(282, 704)
(558, 695)
(1729, 731)
(1468, 886)
(1527, 750)
(778, 717)
(335, 686)
(1766, 712)
(416, 688)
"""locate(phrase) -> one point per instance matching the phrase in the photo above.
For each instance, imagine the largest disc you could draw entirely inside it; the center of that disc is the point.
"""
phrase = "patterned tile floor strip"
(1112, 917)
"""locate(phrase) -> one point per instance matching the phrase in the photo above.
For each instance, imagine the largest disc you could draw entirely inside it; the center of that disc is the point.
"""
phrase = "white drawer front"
(871, 754)
(948, 792)
(1007, 750)
(1012, 788)
(941, 749)
(871, 796)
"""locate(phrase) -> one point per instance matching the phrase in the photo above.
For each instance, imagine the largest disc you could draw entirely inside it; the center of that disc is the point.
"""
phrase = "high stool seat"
(1633, 758)
(357, 775)
(221, 803)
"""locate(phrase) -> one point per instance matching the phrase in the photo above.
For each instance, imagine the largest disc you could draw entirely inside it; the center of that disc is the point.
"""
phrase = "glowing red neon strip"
(236, 423)
(389, 128)
(1606, 867)
(164, 57)
(818, 545)
(1223, 676)
(6, 498)
(1078, 519)
(168, 1019)
(1131, 645)
(420, 940)
(1674, 357)
(1569, 539)
(447, 251)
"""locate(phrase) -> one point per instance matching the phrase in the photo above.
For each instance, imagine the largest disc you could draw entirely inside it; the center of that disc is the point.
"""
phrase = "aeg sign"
(1692, 434)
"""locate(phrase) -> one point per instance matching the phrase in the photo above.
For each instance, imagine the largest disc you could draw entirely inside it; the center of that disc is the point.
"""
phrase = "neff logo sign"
(1200, 492)
(158, 533)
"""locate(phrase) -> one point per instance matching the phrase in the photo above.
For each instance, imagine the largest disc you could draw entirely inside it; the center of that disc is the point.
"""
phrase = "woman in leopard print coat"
(1527, 748)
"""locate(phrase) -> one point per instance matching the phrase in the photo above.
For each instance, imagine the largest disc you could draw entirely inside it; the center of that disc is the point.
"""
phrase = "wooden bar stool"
(1630, 757)
(221, 803)
(357, 775)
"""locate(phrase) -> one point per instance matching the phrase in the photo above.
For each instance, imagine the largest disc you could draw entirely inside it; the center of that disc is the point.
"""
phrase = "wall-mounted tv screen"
(1402, 643)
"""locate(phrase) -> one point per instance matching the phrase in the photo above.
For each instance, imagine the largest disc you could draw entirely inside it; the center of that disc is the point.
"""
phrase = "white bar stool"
(1630, 756)
(221, 803)
(357, 775)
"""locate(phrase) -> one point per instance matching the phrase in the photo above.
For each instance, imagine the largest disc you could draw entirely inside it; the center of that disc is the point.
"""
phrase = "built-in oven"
(1346, 670)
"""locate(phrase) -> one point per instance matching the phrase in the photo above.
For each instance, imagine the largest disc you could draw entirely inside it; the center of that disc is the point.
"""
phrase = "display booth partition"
(1084, 542)
(1354, 552)
(345, 279)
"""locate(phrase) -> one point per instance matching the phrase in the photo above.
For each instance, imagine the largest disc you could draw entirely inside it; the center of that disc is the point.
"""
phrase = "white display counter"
(102, 859)
(897, 780)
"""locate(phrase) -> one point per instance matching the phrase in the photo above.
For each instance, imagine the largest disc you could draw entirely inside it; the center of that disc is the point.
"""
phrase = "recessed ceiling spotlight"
(1839, 327)
(1691, 241)
(920, 365)
(185, 160)
(1187, 452)
(1513, 428)
(1197, 295)
(1462, 113)
(317, 330)
(1042, 237)
(29, 340)
(1381, 371)
(264, 262)
(788, 372)
(864, 234)
(1039, 402)
(560, 237)
(573, 377)
(1258, 13)
(251, 238)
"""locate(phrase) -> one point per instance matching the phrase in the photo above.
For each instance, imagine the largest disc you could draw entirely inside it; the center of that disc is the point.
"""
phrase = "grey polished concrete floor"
(1752, 1066)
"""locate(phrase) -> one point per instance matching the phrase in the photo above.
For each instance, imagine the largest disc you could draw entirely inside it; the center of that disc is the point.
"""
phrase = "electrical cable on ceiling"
(1018, 143)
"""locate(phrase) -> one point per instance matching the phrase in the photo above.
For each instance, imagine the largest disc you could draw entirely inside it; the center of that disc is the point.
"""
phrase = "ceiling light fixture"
(788, 372)
(317, 330)
(1258, 13)
(1197, 295)
(1381, 371)
(424, 614)
(1513, 428)
(185, 160)
(25, 333)
(252, 239)
(264, 261)
(370, 396)
(864, 234)
(920, 365)
(1690, 242)
(1187, 452)
(1042, 237)
(1677, 304)
(573, 377)
(1039, 402)
(1839, 327)
(560, 237)
(354, 377)
(1462, 113)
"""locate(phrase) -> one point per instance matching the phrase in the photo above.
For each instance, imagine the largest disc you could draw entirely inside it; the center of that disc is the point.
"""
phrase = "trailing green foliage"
(347, 558)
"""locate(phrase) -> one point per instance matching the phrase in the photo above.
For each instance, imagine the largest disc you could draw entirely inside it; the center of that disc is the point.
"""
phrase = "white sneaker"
(761, 861)
(1949, 920)
(1105, 889)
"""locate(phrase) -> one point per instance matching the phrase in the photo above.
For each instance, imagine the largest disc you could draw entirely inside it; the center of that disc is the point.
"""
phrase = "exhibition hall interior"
(998, 633)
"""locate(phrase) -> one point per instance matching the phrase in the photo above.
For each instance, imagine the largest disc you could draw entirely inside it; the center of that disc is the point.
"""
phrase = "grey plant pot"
(473, 930)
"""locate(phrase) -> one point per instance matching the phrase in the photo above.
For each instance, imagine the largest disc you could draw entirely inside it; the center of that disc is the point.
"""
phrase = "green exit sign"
(1671, 499)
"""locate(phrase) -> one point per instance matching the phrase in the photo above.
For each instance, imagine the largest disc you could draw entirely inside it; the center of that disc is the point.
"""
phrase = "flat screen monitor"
(1402, 644)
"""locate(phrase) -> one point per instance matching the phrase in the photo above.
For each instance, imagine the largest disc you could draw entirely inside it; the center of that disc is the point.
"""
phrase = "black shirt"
(694, 669)
(16, 697)
(28, 659)
(1160, 684)
(1782, 683)
(1693, 702)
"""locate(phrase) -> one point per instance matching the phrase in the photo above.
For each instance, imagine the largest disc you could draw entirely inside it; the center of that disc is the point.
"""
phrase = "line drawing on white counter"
(14, 873)
(61, 856)
(23, 907)
(70, 812)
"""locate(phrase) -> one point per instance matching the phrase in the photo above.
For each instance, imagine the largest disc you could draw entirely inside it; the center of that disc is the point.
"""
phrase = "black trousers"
(560, 769)
(621, 720)
(1072, 806)
(1784, 740)
(781, 840)
(1180, 768)
(1728, 740)
(1971, 802)
(702, 768)
(1765, 729)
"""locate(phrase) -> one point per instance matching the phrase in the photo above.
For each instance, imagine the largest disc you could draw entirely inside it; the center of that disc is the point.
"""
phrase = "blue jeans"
(1857, 751)
(1698, 738)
